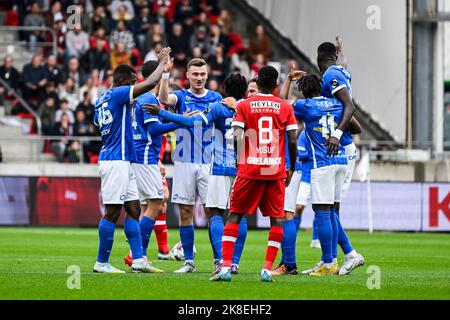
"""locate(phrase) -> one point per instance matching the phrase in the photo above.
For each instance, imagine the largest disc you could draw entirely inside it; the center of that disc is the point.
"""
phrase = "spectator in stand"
(88, 87)
(200, 39)
(217, 39)
(52, 72)
(64, 110)
(60, 30)
(69, 92)
(119, 55)
(84, 17)
(75, 72)
(81, 126)
(153, 54)
(97, 57)
(258, 64)
(179, 43)
(122, 9)
(122, 34)
(141, 26)
(49, 91)
(34, 19)
(219, 65)
(184, 9)
(98, 19)
(10, 75)
(73, 152)
(55, 12)
(261, 44)
(157, 34)
(34, 79)
(202, 20)
(100, 34)
(224, 21)
(63, 128)
(77, 42)
(197, 52)
(239, 63)
(161, 18)
(87, 106)
(213, 85)
(107, 83)
(12, 18)
(211, 7)
(47, 111)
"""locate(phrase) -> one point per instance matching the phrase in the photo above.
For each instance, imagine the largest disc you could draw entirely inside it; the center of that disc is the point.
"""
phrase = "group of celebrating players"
(238, 153)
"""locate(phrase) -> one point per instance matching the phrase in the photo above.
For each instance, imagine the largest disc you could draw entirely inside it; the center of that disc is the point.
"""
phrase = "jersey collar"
(199, 95)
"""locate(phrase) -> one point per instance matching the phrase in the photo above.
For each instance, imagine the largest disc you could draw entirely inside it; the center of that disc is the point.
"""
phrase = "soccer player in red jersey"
(260, 128)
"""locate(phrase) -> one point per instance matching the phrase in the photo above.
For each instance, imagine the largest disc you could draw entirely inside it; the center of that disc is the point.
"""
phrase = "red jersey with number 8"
(265, 119)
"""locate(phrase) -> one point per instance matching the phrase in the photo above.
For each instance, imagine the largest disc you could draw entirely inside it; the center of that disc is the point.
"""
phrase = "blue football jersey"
(192, 145)
(147, 146)
(321, 116)
(223, 153)
(303, 156)
(333, 80)
(113, 117)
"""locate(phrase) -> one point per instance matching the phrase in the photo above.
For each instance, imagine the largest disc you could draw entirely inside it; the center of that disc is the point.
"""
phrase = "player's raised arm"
(164, 96)
(341, 58)
(153, 80)
(294, 75)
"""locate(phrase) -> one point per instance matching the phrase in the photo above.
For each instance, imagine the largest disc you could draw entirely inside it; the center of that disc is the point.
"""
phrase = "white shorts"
(352, 154)
(290, 195)
(118, 182)
(326, 184)
(189, 178)
(219, 191)
(149, 181)
(304, 194)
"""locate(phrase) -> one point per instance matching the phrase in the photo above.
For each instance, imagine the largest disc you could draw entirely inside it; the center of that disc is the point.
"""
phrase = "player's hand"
(333, 146)
(151, 109)
(164, 55)
(289, 173)
(294, 74)
(230, 103)
(338, 44)
(188, 112)
(162, 169)
(168, 66)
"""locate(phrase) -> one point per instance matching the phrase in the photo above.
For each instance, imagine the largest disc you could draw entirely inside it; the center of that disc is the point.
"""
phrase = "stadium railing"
(5, 29)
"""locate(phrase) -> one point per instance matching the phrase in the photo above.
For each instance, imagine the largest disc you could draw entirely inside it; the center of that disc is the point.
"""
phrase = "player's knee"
(234, 218)
(276, 222)
(133, 209)
(112, 213)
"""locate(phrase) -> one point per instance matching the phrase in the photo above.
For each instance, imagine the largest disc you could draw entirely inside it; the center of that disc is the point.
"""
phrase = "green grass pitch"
(34, 262)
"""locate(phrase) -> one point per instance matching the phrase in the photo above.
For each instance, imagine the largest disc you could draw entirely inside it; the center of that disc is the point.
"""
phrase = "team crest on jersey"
(334, 83)
(189, 99)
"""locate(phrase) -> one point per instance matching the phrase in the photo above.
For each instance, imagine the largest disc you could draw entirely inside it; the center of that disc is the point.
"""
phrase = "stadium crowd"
(63, 87)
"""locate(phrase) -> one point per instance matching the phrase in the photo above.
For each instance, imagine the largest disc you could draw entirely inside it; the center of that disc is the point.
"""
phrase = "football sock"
(297, 222)
(216, 232)
(315, 233)
(187, 240)
(146, 225)
(325, 233)
(288, 244)
(335, 228)
(275, 238)
(230, 234)
(343, 240)
(133, 233)
(106, 234)
(239, 245)
(215, 255)
(161, 234)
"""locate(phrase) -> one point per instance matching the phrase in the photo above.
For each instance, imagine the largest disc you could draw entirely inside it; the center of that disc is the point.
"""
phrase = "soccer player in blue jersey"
(223, 169)
(192, 155)
(113, 115)
(147, 135)
(320, 116)
(336, 83)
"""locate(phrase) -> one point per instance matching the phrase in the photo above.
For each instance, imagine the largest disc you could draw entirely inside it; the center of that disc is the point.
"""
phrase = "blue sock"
(325, 234)
(334, 225)
(297, 222)
(315, 232)
(106, 234)
(343, 240)
(146, 225)
(187, 240)
(133, 233)
(288, 244)
(216, 232)
(239, 244)
(215, 255)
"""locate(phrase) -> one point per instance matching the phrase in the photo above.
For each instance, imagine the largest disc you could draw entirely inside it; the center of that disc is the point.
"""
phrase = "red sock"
(230, 234)
(161, 234)
(275, 238)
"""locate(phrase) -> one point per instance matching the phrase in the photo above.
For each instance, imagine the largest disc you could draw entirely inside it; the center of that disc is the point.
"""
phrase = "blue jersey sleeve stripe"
(151, 120)
(238, 124)
(342, 86)
(204, 118)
